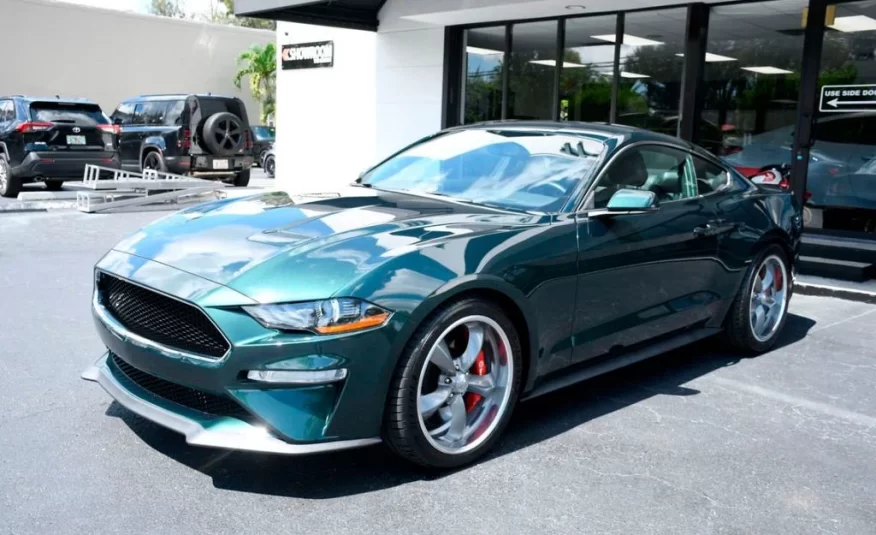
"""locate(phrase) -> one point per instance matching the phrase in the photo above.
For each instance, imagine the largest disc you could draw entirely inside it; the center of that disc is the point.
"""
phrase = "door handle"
(704, 230)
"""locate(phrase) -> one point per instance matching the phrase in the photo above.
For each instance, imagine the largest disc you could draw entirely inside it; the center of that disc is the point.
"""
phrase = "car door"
(644, 275)
(129, 139)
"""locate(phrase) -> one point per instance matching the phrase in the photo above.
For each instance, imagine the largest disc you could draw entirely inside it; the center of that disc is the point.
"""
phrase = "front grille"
(160, 318)
(181, 395)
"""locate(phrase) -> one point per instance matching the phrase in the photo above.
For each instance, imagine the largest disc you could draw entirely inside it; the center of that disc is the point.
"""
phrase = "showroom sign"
(840, 98)
(308, 55)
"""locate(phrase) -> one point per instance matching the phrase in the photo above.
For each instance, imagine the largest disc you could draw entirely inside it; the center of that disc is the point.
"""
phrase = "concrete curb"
(35, 206)
(820, 290)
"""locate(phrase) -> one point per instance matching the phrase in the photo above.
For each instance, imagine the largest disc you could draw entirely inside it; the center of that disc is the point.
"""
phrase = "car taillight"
(33, 126)
(248, 138)
(785, 183)
(185, 141)
(111, 128)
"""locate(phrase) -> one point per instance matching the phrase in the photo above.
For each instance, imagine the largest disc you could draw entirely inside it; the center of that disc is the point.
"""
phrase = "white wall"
(52, 48)
(325, 116)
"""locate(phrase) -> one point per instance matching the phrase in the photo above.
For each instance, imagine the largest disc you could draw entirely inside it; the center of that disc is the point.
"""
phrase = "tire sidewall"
(208, 131)
(155, 154)
(12, 185)
(269, 166)
(410, 367)
(750, 340)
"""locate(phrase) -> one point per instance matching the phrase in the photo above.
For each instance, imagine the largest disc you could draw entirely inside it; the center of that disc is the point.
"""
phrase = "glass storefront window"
(484, 49)
(841, 182)
(752, 81)
(651, 67)
(532, 70)
(588, 66)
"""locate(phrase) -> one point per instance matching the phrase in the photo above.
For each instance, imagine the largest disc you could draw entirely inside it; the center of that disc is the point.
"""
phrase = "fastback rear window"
(74, 113)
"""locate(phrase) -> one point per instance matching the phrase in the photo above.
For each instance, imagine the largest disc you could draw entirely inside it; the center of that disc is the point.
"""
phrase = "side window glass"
(710, 177)
(663, 170)
(123, 114)
(7, 114)
(174, 113)
(150, 113)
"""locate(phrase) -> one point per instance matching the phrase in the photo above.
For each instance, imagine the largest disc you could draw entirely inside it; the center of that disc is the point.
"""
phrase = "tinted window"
(150, 113)
(710, 177)
(6, 113)
(123, 114)
(212, 106)
(263, 133)
(74, 113)
(516, 169)
(662, 170)
(839, 130)
(174, 112)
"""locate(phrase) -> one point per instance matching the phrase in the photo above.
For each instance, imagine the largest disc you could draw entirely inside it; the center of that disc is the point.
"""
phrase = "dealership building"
(757, 83)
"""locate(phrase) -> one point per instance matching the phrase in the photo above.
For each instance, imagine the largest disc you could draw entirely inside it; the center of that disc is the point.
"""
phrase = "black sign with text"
(308, 55)
(845, 98)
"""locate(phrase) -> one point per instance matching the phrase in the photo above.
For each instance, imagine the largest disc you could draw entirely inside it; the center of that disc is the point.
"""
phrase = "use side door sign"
(846, 98)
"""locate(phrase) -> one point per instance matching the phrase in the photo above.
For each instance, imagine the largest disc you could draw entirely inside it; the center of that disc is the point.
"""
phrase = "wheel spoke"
(759, 320)
(475, 344)
(481, 384)
(457, 420)
(768, 279)
(441, 357)
(430, 403)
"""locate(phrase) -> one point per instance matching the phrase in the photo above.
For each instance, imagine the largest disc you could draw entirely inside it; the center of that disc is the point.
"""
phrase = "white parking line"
(829, 325)
(816, 406)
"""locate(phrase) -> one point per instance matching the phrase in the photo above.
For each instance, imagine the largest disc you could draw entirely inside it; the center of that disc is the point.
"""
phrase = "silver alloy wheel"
(769, 302)
(447, 379)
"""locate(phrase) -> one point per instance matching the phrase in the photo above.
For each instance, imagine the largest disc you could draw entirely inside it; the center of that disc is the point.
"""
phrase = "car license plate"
(76, 140)
(220, 164)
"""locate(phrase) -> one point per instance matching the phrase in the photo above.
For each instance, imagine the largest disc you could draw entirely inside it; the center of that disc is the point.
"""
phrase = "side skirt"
(588, 371)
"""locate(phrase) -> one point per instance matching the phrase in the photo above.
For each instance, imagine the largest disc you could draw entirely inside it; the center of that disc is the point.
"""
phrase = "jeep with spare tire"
(204, 136)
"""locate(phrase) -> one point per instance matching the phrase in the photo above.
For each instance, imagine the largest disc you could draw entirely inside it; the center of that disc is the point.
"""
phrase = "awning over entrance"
(353, 14)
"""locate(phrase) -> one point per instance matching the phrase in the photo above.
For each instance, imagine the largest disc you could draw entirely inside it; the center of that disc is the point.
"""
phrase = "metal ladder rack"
(128, 188)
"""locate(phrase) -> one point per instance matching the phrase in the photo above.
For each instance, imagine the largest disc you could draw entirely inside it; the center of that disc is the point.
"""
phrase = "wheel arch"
(490, 288)
(4, 151)
(778, 237)
(151, 144)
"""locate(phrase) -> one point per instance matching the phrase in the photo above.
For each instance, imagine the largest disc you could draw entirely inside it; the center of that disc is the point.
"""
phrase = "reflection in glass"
(585, 81)
(531, 70)
(751, 82)
(484, 48)
(651, 66)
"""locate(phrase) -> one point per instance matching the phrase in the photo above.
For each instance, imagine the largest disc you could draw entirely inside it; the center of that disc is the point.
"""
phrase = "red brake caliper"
(478, 368)
(779, 281)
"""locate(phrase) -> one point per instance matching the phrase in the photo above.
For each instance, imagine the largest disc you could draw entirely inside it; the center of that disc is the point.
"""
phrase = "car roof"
(64, 100)
(173, 96)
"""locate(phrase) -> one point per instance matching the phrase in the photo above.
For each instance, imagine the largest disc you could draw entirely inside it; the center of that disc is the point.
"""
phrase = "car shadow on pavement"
(376, 468)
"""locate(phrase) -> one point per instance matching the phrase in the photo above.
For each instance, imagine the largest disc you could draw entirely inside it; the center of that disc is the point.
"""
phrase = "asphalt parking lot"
(697, 441)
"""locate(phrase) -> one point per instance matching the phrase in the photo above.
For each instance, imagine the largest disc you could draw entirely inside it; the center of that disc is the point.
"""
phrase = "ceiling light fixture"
(713, 58)
(633, 75)
(856, 23)
(631, 40)
(553, 63)
(482, 51)
(767, 70)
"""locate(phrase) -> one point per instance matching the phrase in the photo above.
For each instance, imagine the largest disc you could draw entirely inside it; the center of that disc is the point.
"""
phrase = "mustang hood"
(274, 248)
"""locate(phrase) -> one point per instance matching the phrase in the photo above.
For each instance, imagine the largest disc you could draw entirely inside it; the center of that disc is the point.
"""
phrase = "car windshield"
(507, 168)
(263, 133)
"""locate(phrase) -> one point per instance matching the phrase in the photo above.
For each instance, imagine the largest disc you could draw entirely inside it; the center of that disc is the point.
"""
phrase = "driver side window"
(664, 170)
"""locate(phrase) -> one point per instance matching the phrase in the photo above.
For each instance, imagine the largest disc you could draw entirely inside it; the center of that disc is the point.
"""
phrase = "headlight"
(331, 316)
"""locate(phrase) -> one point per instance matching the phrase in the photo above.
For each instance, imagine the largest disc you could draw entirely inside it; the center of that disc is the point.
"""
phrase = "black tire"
(154, 160)
(738, 329)
(54, 185)
(401, 425)
(223, 134)
(241, 179)
(10, 185)
(261, 157)
(270, 166)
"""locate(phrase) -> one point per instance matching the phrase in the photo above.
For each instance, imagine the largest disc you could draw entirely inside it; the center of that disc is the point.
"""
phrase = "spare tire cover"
(223, 134)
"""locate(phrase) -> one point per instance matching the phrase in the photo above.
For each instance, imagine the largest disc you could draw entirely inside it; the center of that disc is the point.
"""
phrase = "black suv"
(206, 136)
(51, 140)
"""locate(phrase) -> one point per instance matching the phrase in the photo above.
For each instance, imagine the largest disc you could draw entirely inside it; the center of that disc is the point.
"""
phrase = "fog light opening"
(297, 376)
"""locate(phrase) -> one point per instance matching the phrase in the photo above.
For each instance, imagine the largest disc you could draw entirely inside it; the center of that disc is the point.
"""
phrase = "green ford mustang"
(476, 268)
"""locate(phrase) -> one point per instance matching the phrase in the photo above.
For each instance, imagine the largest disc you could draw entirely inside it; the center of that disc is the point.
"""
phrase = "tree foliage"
(222, 12)
(168, 8)
(259, 64)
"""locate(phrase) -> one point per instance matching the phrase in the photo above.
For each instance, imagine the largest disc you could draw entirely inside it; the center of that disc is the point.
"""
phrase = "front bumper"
(290, 418)
(202, 430)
